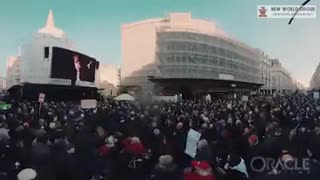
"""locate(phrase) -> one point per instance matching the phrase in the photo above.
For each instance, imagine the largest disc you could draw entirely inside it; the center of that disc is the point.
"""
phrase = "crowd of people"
(127, 140)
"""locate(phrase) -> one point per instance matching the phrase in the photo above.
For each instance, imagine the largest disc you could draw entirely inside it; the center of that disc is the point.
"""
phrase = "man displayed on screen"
(77, 67)
(87, 71)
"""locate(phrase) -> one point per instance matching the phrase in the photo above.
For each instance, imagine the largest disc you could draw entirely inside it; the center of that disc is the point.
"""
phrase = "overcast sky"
(94, 26)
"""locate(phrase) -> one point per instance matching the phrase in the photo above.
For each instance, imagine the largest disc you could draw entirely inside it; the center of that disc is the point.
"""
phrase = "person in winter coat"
(133, 146)
(275, 143)
(200, 170)
(255, 150)
(179, 144)
(157, 144)
(40, 151)
(314, 142)
(166, 169)
(203, 151)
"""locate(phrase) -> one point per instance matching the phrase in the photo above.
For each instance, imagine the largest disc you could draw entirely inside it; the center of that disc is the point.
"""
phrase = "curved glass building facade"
(199, 56)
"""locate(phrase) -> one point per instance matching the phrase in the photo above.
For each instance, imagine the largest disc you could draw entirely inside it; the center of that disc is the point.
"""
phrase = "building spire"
(50, 27)
(50, 20)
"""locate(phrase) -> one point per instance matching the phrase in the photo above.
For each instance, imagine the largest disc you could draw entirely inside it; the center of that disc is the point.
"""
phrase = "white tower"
(50, 27)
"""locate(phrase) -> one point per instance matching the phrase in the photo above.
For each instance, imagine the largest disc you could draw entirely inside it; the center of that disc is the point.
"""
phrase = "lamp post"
(271, 81)
(233, 90)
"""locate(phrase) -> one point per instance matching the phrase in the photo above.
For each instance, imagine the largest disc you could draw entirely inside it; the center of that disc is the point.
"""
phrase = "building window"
(213, 60)
(222, 62)
(194, 48)
(192, 60)
(170, 59)
(178, 59)
(184, 59)
(222, 52)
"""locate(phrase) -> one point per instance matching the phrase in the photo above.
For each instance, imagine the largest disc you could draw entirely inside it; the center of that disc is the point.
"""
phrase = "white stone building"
(3, 83)
(283, 83)
(315, 79)
(109, 75)
(13, 71)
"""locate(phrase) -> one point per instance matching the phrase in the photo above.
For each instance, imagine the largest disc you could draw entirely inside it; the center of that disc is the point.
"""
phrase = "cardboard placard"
(192, 142)
(101, 132)
(41, 97)
(245, 98)
(88, 103)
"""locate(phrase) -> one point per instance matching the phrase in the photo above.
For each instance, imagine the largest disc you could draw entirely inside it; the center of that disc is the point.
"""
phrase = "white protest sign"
(208, 98)
(192, 142)
(101, 132)
(316, 95)
(88, 103)
(245, 98)
(41, 97)
(253, 92)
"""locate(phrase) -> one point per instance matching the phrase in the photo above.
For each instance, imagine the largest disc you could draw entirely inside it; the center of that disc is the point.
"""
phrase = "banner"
(253, 92)
(269, 98)
(88, 103)
(286, 11)
(316, 95)
(41, 97)
(5, 106)
(101, 132)
(208, 98)
(192, 142)
(226, 77)
(245, 98)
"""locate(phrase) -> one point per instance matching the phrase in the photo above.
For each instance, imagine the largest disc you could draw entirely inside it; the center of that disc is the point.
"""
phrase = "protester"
(200, 170)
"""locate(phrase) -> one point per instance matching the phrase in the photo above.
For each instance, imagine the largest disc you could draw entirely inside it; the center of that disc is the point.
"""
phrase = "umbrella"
(124, 97)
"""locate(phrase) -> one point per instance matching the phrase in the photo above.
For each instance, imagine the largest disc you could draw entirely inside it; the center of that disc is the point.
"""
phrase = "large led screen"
(74, 66)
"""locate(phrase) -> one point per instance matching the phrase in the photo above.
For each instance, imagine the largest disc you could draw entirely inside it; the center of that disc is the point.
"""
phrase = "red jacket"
(104, 150)
(195, 176)
(133, 148)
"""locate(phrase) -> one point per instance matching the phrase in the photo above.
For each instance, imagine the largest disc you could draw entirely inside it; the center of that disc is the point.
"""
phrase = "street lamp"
(233, 90)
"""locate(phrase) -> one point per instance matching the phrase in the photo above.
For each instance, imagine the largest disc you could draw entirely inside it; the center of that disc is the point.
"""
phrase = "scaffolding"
(192, 55)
